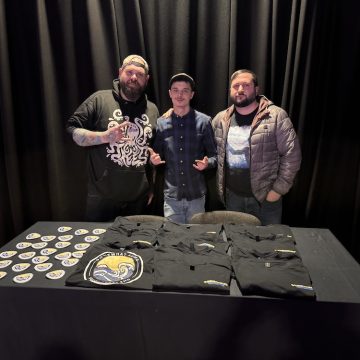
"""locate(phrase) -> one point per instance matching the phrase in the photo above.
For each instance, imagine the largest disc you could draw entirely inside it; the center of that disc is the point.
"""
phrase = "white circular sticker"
(78, 254)
(64, 255)
(81, 232)
(64, 228)
(5, 263)
(48, 238)
(27, 255)
(2, 274)
(20, 267)
(23, 245)
(56, 274)
(43, 267)
(33, 236)
(8, 254)
(81, 246)
(69, 262)
(40, 259)
(65, 237)
(91, 238)
(62, 244)
(98, 231)
(39, 245)
(23, 278)
(48, 251)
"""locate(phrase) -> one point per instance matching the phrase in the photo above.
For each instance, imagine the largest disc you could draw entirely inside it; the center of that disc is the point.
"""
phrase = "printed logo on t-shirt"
(111, 268)
(132, 152)
(303, 287)
(238, 149)
(216, 283)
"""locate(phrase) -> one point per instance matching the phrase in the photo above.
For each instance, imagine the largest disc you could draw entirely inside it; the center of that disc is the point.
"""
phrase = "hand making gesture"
(155, 157)
(201, 164)
(116, 133)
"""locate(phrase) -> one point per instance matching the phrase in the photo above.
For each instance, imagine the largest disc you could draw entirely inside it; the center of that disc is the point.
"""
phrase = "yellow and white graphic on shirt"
(111, 268)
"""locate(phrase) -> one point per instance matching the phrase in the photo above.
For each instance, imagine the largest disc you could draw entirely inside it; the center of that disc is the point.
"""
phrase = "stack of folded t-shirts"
(129, 232)
(192, 258)
(266, 262)
(124, 258)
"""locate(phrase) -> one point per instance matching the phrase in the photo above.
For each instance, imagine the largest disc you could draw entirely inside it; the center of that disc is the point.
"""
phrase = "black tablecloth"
(335, 274)
(43, 319)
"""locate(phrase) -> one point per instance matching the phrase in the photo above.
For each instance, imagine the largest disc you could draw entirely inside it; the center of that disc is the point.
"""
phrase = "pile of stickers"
(40, 253)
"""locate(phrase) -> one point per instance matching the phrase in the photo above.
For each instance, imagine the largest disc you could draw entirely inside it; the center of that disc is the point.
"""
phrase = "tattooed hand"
(115, 133)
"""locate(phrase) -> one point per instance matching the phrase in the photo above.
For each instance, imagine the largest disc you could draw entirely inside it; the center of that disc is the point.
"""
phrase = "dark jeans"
(267, 212)
(100, 209)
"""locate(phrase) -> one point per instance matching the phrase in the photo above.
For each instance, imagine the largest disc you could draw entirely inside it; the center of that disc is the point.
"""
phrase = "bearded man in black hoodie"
(117, 126)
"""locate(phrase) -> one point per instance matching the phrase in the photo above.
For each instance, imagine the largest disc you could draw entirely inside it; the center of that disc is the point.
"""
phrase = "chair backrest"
(224, 217)
(145, 218)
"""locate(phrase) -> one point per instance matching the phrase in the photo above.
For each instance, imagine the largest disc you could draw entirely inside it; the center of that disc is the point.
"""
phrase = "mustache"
(131, 81)
(132, 90)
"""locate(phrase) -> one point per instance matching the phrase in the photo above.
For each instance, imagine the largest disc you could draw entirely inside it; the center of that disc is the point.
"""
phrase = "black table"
(43, 319)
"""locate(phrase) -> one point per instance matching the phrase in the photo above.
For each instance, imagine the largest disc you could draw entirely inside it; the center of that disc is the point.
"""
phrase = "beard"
(247, 100)
(132, 90)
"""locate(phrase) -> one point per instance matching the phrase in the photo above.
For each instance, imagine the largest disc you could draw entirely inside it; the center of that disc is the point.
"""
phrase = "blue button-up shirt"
(180, 140)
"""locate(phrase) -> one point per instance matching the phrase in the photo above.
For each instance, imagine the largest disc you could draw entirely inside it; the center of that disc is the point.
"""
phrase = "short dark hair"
(238, 72)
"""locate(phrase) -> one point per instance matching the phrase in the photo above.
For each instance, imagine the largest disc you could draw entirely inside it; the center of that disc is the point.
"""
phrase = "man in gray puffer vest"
(258, 151)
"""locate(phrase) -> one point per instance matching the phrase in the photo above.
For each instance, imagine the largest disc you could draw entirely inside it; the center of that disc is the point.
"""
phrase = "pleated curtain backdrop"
(54, 54)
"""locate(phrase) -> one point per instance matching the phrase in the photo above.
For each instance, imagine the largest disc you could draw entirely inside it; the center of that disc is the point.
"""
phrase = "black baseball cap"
(182, 77)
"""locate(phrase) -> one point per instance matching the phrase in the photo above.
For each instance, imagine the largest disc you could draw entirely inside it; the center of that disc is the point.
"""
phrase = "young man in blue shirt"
(185, 145)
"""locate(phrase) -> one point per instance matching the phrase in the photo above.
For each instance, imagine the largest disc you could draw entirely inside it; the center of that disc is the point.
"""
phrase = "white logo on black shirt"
(132, 152)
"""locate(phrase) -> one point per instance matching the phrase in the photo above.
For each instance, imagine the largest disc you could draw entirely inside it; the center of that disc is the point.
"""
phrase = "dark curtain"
(55, 53)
